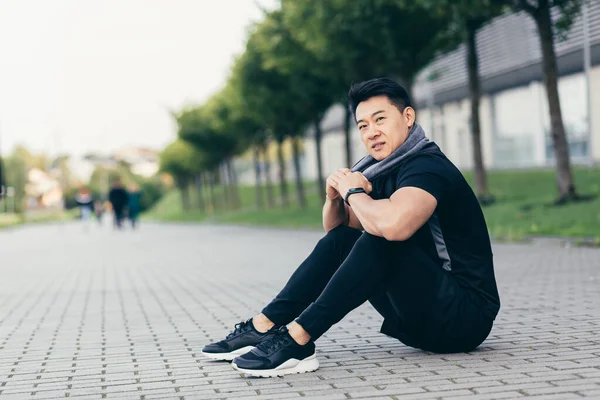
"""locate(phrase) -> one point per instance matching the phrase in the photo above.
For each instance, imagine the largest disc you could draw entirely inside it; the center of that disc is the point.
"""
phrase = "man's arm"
(336, 212)
(353, 221)
(396, 218)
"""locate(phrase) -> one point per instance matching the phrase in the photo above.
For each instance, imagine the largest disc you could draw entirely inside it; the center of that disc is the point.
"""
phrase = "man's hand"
(353, 180)
(333, 180)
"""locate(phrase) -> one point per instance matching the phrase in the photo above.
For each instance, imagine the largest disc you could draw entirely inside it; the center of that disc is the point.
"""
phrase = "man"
(424, 260)
(118, 198)
(134, 204)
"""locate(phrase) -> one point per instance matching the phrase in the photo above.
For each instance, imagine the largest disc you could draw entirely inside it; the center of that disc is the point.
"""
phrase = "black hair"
(362, 91)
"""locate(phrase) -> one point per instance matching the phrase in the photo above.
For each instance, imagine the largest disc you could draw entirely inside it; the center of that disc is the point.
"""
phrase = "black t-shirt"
(456, 235)
(118, 198)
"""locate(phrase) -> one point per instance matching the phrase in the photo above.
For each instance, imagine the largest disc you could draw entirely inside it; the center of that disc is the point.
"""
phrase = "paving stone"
(130, 321)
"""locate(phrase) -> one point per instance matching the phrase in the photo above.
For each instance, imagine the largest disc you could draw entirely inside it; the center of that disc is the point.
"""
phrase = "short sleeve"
(427, 174)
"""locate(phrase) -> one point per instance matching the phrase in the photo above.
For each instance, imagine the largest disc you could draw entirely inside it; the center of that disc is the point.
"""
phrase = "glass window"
(573, 104)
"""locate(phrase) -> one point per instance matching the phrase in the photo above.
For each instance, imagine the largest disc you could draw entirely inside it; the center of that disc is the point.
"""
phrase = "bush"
(152, 191)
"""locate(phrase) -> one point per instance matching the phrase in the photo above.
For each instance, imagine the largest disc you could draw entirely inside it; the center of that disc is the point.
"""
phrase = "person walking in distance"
(118, 198)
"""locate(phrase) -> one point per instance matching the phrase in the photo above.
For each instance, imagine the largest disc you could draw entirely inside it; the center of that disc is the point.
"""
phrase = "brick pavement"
(125, 314)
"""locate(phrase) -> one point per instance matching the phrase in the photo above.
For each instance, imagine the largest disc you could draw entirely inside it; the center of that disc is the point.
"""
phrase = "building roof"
(509, 55)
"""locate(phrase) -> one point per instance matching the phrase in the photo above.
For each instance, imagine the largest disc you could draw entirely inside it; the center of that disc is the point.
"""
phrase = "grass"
(169, 208)
(10, 220)
(524, 207)
(7, 220)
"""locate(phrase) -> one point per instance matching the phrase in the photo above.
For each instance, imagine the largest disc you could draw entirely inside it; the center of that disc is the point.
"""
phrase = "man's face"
(383, 128)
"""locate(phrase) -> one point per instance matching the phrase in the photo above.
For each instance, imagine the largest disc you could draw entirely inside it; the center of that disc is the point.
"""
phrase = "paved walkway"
(124, 315)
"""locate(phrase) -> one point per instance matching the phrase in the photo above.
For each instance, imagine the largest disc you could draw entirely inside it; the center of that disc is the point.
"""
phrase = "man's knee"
(341, 237)
(368, 240)
(342, 232)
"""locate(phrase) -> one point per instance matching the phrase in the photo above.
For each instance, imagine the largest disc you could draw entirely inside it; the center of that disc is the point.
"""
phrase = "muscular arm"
(396, 218)
(336, 212)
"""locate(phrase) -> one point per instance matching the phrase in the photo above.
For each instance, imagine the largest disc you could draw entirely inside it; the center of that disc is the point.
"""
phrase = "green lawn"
(9, 220)
(523, 207)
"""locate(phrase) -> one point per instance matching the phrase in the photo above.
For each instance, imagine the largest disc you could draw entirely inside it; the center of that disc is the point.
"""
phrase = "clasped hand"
(342, 180)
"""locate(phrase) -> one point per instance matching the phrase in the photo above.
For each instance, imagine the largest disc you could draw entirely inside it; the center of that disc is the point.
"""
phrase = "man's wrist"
(333, 199)
(353, 191)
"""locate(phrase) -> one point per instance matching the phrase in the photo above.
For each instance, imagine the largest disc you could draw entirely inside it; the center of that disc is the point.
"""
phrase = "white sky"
(83, 75)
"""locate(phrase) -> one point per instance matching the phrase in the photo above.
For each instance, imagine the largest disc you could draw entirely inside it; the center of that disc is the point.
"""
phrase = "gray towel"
(372, 169)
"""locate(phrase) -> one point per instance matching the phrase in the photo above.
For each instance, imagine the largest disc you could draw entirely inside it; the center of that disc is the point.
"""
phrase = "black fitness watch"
(353, 191)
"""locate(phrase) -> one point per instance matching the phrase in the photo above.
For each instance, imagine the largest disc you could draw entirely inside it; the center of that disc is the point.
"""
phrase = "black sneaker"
(277, 356)
(243, 339)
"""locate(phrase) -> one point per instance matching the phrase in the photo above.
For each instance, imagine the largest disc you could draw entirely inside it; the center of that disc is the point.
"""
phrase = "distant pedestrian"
(85, 203)
(118, 198)
(98, 210)
(134, 206)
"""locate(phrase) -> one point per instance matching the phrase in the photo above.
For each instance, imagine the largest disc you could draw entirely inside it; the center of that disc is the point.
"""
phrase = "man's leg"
(305, 285)
(312, 276)
(291, 350)
(357, 279)
(433, 311)
(373, 268)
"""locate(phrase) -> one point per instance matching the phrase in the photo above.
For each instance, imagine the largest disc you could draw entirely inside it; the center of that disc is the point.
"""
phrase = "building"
(514, 109)
(143, 161)
(43, 191)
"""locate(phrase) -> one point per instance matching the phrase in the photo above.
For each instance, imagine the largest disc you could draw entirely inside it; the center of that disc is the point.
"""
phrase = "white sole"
(228, 356)
(291, 366)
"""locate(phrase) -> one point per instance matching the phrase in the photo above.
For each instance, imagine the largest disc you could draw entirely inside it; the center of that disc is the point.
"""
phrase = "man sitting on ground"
(404, 231)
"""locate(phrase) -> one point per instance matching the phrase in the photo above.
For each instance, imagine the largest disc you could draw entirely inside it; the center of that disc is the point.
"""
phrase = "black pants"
(422, 304)
(119, 215)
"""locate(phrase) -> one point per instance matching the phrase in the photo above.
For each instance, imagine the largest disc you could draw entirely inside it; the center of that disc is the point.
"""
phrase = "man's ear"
(409, 115)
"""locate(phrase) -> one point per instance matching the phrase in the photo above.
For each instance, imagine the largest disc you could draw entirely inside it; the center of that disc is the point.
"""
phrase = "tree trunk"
(200, 198)
(269, 184)
(260, 202)
(225, 186)
(564, 176)
(235, 194)
(282, 182)
(206, 192)
(213, 198)
(481, 187)
(299, 184)
(347, 124)
(320, 178)
(184, 191)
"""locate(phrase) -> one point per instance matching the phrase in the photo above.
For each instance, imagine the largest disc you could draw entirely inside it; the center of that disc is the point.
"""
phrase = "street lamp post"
(587, 64)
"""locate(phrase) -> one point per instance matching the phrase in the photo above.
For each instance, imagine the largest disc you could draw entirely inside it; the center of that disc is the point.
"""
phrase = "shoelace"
(276, 341)
(239, 328)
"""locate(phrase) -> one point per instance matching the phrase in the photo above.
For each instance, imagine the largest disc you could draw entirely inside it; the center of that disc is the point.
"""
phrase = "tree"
(196, 127)
(363, 39)
(182, 161)
(541, 12)
(16, 177)
(465, 18)
(310, 90)
(270, 97)
(2, 179)
(39, 161)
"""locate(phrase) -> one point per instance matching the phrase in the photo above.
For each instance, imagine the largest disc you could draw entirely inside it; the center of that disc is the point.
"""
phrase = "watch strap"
(353, 191)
